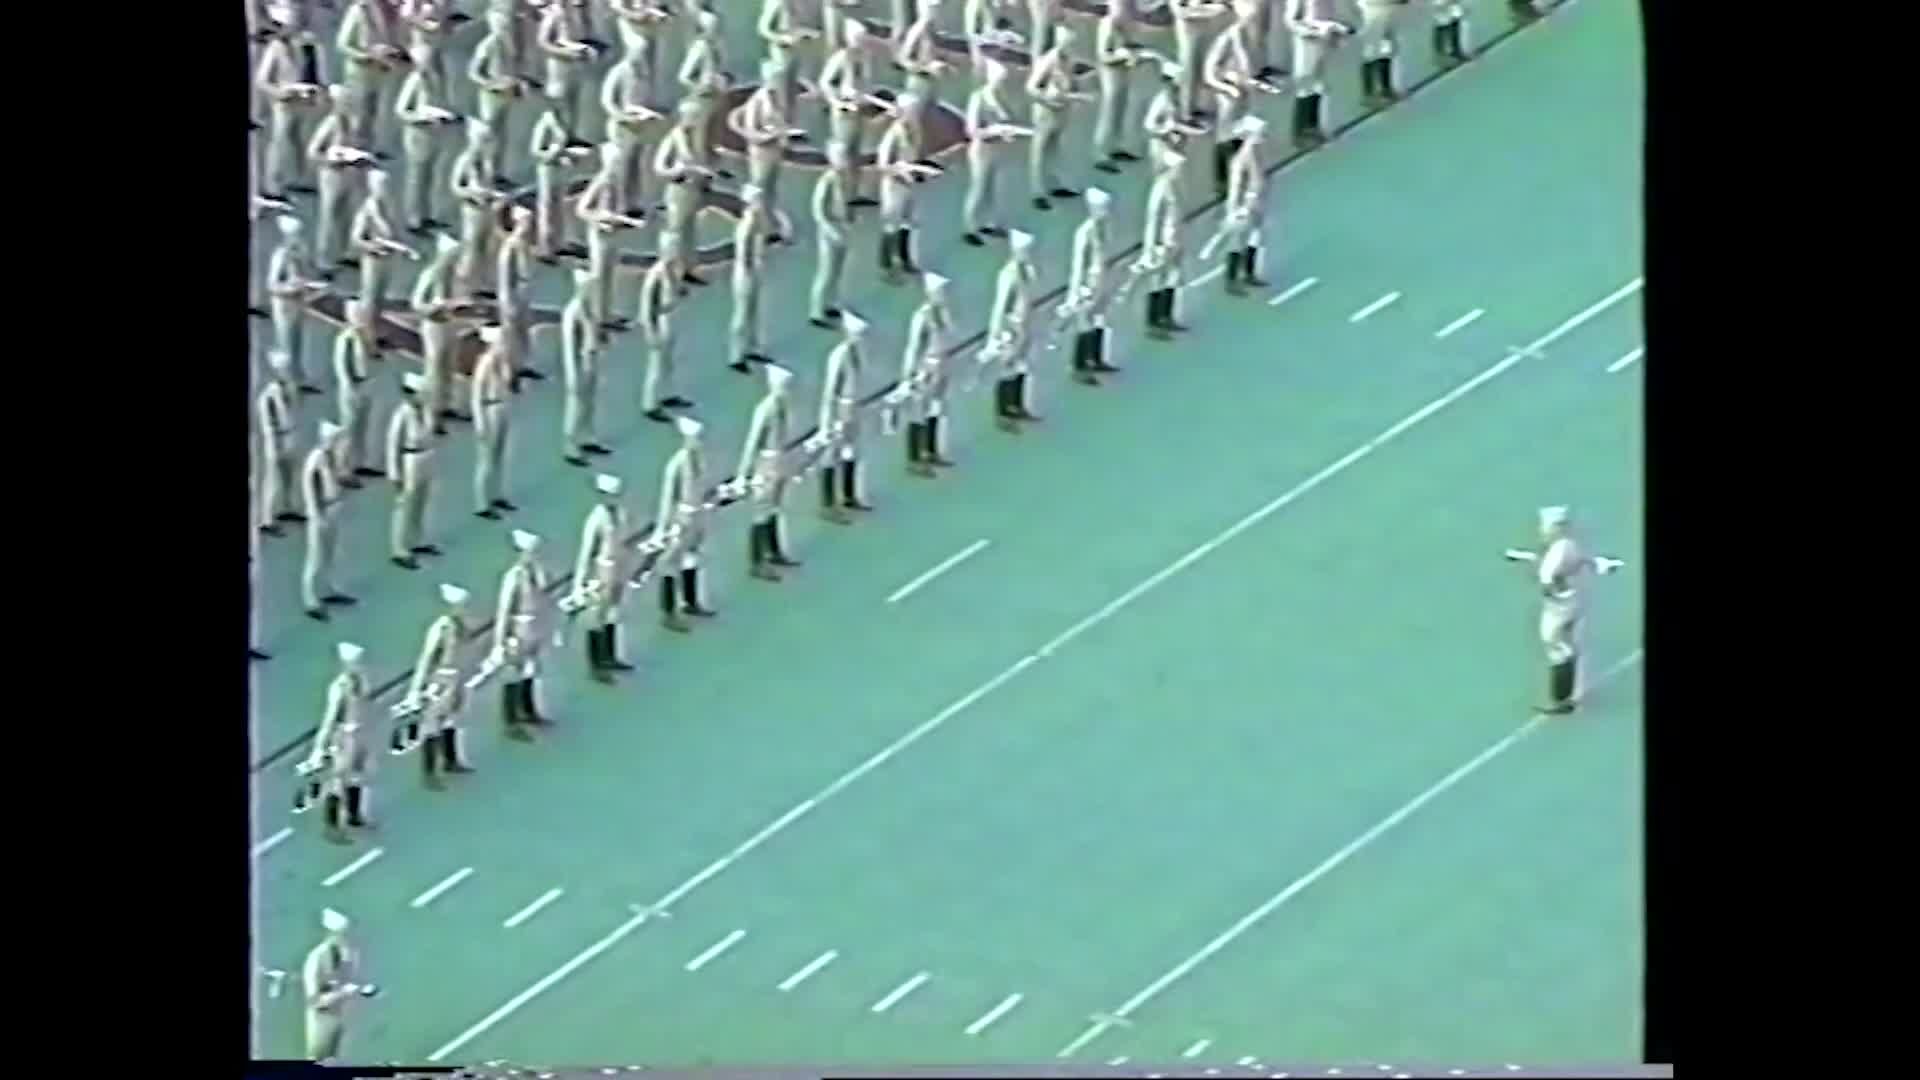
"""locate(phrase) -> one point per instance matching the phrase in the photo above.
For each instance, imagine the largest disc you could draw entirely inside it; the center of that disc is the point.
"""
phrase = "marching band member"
(1245, 209)
(1450, 31)
(987, 131)
(274, 406)
(1259, 33)
(366, 40)
(894, 161)
(254, 652)
(337, 162)
(353, 347)
(624, 102)
(320, 492)
(580, 341)
(429, 24)
(1167, 130)
(832, 220)
(649, 23)
(1114, 58)
(600, 208)
(553, 156)
(519, 624)
(1229, 74)
(422, 119)
(566, 57)
(1087, 293)
(492, 389)
(1559, 569)
(916, 56)
(1189, 22)
(513, 274)
(703, 76)
(843, 80)
(341, 750)
(290, 283)
(749, 266)
(493, 70)
(479, 203)
(980, 21)
(684, 177)
(680, 528)
(1161, 247)
(840, 415)
(1379, 33)
(923, 377)
(659, 295)
(762, 464)
(783, 34)
(437, 692)
(328, 978)
(410, 446)
(1046, 18)
(289, 95)
(372, 236)
(602, 563)
(1316, 34)
(836, 16)
(904, 14)
(762, 123)
(434, 304)
(1010, 333)
(1050, 87)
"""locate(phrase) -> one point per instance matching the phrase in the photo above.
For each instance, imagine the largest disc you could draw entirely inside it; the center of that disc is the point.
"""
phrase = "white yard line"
(434, 893)
(1204, 278)
(272, 842)
(640, 917)
(715, 949)
(1626, 360)
(353, 867)
(899, 992)
(1300, 884)
(1198, 1048)
(911, 587)
(998, 1011)
(1293, 291)
(805, 973)
(1461, 323)
(1364, 312)
(532, 909)
(1121, 1060)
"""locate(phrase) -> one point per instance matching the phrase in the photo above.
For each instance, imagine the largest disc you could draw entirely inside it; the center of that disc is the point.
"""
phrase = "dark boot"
(1168, 303)
(1222, 163)
(1003, 406)
(670, 616)
(1302, 115)
(510, 712)
(1560, 682)
(450, 756)
(1250, 268)
(610, 649)
(430, 763)
(776, 554)
(331, 811)
(527, 707)
(933, 443)
(916, 449)
(597, 669)
(905, 250)
(830, 507)
(1098, 352)
(1018, 394)
(758, 558)
(690, 593)
(1156, 317)
(850, 485)
(1083, 358)
(1233, 280)
(356, 807)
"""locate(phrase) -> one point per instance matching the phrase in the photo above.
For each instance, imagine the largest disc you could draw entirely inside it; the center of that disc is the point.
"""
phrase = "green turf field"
(1222, 729)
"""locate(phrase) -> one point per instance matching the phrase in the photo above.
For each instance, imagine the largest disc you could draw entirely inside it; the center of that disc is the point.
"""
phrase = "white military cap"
(289, 225)
(582, 275)
(337, 91)
(1169, 70)
(933, 281)
(687, 426)
(750, 193)
(333, 921)
(328, 429)
(1098, 197)
(856, 28)
(778, 377)
(1172, 159)
(1250, 127)
(524, 540)
(490, 334)
(453, 594)
(377, 178)
(852, 324)
(995, 69)
(349, 652)
(706, 19)
(476, 128)
(1554, 516)
(412, 381)
(446, 243)
(1021, 241)
(607, 484)
(279, 358)
(609, 153)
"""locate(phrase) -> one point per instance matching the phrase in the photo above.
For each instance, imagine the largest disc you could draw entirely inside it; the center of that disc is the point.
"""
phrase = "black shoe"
(596, 448)
(303, 189)
(270, 530)
(1125, 155)
(741, 367)
(428, 550)
(974, 239)
(309, 390)
(862, 200)
(455, 416)
(351, 484)
(502, 504)
(1108, 165)
(489, 513)
(616, 326)
(1064, 193)
(317, 614)
(1040, 203)
(677, 402)
(693, 279)
(405, 562)
(258, 313)
(995, 231)
(821, 322)
(257, 655)
(292, 517)
(338, 600)
(575, 459)
(529, 373)
(759, 358)
(658, 415)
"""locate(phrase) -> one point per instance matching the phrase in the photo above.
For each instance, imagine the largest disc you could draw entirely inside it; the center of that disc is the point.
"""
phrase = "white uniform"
(602, 546)
(279, 80)
(1049, 87)
(681, 522)
(659, 295)
(494, 71)
(551, 151)
(896, 197)
(832, 224)
(1560, 570)
(419, 105)
(840, 412)
(763, 452)
(599, 207)
(290, 282)
(1010, 333)
(566, 58)
(762, 123)
(445, 663)
(1188, 27)
(673, 162)
(1114, 57)
(343, 748)
(1315, 37)
(473, 190)
(925, 357)
(580, 364)
(1163, 229)
(749, 259)
(843, 87)
(984, 112)
(320, 492)
(410, 447)
(325, 977)
(492, 426)
(513, 272)
(366, 41)
(625, 89)
(523, 615)
(1229, 74)
(373, 240)
(351, 352)
(274, 407)
(703, 75)
(433, 294)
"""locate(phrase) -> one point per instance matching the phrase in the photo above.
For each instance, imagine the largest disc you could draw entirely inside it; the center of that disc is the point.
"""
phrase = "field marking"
(353, 867)
(1293, 291)
(805, 973)
(898, 992)
(1373, 307)
(911, 587)
(272, 842)
(532, 909)
(1245, 1062)
(1121, 1060)
(1204, 278)
(1300, 884)
(1626, 360)
(715, 949)
(1198, 1048)
(1460, 323)
(998, 1011)
(640, 917)
(433, 894)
